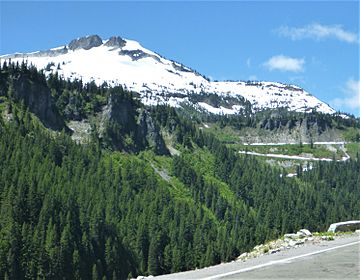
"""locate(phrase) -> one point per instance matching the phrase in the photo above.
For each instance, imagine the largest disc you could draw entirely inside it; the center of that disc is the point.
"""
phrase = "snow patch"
(162, 81)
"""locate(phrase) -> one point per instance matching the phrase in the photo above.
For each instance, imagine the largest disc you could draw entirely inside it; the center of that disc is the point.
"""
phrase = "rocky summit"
(115, 41)
(85, 43)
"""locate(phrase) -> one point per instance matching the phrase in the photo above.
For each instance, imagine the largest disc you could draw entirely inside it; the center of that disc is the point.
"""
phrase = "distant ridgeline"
(145, 191)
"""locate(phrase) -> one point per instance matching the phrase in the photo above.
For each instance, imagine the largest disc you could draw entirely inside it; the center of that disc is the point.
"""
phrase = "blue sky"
(311, 44)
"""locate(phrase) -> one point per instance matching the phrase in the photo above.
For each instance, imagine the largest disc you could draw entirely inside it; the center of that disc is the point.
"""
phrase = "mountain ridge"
(119, 61)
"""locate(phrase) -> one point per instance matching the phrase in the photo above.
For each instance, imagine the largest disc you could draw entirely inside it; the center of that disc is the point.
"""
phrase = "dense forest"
(116, 207)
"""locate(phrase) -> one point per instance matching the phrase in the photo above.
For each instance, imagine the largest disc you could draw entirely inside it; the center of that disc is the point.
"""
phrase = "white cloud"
(351, 98)
(285, 63)
(253, 78)
(318, 32)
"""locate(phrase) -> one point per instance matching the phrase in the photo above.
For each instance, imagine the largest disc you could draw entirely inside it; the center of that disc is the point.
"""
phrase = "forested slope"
(100, 210)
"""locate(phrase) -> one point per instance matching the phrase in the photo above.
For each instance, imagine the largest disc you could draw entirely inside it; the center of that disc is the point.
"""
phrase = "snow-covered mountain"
(119, 61)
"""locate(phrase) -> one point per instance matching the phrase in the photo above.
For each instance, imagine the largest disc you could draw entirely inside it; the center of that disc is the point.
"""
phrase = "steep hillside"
(147, 191)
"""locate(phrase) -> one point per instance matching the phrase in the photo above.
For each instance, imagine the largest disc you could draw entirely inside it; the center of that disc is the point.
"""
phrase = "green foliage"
(352, 135)
(353, 149)
(70, 211)
(327, 233)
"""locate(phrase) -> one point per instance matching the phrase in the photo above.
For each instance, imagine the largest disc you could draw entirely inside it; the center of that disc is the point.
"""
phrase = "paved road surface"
(339, 259)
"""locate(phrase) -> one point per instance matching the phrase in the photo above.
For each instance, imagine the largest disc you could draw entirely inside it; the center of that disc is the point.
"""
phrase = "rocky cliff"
(125, 128)
(85, 43)
(150, 131)
(36, 96)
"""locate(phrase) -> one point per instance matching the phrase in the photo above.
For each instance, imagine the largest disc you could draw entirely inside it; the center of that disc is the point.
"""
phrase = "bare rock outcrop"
(288, 241)
(85, 43)
(116, 42)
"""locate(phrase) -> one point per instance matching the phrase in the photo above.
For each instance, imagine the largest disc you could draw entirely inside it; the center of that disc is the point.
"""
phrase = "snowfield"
(162, 81)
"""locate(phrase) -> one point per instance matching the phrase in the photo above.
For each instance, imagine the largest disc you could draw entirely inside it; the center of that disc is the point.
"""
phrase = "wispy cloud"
(318, 31)
(351, 98)
(285, 63)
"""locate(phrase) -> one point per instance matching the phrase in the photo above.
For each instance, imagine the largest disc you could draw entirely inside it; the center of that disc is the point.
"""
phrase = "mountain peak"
(124, 62)
(115, 41)
(85, 43)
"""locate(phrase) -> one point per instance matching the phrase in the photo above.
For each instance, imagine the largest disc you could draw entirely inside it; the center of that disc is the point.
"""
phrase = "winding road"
(281, 156)
(338, 259)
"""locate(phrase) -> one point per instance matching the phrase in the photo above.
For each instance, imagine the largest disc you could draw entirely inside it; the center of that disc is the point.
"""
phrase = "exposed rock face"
(151, 132)
(47, 53)
(53, 53)
(300, 234)
(120, 119)
(290, 131)
(180, 67)
(306, 126)
(37, 97)
(81, 131)
(134, 54)
(116, 42)
(118, 111)
(137, 54)
(117, 121)
(85, 43)
(115, 111)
